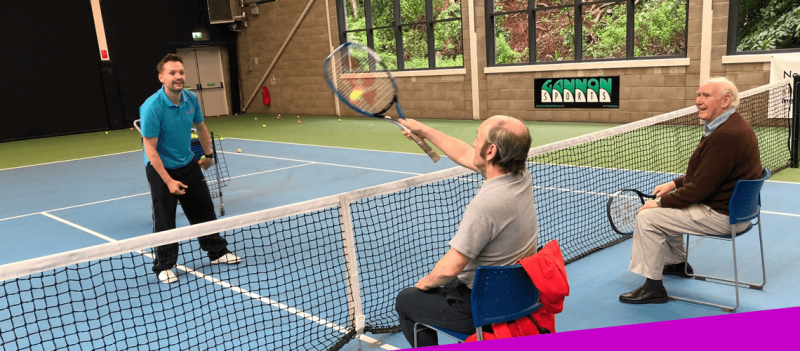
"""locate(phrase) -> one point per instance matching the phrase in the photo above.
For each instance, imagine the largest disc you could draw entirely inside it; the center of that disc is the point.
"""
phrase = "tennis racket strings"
(360, 78)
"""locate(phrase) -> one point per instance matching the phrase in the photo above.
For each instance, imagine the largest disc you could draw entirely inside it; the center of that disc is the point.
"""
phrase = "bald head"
(512, 139)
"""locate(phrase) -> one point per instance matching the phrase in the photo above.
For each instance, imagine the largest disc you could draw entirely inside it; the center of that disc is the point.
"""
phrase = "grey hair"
(512, 149)
(726, 87)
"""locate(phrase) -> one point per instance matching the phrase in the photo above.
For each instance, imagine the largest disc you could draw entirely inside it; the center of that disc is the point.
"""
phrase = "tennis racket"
(622, 207)
(360, 79)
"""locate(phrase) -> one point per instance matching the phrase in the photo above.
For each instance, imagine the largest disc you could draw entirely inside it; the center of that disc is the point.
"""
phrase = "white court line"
(572, 191)
(323, 163)
(101, 236)
(781, 213)
(227, 285)
(334, 147)
(307, 163)
(76, 159)
(75, 206)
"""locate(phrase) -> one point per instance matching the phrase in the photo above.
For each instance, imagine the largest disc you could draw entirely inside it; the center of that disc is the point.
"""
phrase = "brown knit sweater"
(730, 153)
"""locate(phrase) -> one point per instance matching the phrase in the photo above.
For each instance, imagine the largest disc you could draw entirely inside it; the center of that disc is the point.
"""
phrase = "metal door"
(205, 77)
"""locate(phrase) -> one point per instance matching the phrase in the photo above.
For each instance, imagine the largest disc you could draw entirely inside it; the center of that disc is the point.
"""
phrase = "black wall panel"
(139, 33)
(51, 82)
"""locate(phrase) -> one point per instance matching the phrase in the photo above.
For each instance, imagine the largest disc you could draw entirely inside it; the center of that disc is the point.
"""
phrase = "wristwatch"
(210, 156)
(658, 201)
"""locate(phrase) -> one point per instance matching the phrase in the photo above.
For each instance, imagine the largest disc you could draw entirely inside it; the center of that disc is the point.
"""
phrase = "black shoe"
(641, 295)
(678, 270)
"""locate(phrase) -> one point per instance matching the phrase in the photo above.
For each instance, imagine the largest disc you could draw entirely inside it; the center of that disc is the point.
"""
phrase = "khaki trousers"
(658, 235)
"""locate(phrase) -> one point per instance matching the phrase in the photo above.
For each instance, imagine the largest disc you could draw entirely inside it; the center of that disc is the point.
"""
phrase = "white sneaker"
(167, 276)
(228, 258)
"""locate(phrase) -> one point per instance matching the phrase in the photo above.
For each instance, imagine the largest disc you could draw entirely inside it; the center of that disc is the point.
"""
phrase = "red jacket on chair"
(547, 271)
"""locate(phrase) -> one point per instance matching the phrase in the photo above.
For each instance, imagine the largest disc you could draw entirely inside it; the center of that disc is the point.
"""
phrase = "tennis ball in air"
(356, 94)
(238, 151)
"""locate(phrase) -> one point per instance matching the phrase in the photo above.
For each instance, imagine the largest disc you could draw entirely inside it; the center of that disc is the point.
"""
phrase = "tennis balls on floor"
(298, 122)
(238, 151)
(106, 132)
(263, 126)
(340, 120)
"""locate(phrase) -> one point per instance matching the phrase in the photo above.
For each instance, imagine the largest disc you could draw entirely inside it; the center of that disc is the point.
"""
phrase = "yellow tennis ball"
(356, 94)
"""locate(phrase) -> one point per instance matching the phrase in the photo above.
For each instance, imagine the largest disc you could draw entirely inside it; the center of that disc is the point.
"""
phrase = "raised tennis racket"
(359, 78)
(622, 207)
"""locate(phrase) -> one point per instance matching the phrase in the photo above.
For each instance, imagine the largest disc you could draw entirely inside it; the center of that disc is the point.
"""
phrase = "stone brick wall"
(300, 86)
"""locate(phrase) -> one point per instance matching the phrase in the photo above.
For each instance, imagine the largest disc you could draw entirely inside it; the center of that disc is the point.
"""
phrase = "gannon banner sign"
(580, 92)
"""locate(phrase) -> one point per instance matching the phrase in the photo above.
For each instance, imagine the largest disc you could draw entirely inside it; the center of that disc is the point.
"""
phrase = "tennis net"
(316, 274)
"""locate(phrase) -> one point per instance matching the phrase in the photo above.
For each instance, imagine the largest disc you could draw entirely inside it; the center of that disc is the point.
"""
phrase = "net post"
(348, 242)
(795, 121)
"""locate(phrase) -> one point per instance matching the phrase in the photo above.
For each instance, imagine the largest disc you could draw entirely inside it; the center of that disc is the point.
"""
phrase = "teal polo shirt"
(172, 125)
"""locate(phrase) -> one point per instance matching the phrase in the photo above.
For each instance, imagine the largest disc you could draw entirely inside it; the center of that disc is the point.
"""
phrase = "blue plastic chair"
(499, 294)
(744, 205)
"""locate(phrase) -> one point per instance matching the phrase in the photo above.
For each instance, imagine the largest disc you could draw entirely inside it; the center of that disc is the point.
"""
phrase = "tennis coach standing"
(172, 171)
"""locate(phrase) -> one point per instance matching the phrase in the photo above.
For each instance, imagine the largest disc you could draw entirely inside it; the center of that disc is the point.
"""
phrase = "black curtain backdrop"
(54, 82)
(139, 33)
(51, 82)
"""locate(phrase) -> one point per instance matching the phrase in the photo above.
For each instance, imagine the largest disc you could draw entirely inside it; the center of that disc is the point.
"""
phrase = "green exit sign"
(197, 35)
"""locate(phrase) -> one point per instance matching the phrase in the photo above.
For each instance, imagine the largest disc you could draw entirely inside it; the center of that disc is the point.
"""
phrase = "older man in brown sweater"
(698, 201)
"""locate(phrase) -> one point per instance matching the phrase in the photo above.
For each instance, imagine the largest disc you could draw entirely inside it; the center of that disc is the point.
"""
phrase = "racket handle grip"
(425, 147)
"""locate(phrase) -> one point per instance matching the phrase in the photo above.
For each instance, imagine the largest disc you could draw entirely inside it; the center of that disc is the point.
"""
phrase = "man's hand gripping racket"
(622, 208)
(360, 79)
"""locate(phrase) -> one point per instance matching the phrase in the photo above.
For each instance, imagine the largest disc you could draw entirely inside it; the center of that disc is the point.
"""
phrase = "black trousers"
(196, 204)
(447, 307)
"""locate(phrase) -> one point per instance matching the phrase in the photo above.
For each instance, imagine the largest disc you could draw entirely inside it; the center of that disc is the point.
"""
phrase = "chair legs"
(735, 280)
(421, 326)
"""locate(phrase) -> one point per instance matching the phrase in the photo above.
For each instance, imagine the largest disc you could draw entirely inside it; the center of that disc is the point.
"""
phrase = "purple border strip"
(761, 330)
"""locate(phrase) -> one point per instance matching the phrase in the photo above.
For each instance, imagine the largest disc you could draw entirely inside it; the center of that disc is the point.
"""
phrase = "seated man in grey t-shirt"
(498, 227)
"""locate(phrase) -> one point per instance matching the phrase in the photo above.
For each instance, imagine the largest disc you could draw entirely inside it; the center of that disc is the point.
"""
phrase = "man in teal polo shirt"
(172, 171)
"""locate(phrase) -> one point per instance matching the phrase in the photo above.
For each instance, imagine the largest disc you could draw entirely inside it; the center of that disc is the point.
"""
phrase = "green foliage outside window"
(768, 25)
(448, 41)
(659, 29)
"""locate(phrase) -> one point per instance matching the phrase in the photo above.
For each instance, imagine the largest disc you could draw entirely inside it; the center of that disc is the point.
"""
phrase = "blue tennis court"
(71, 205)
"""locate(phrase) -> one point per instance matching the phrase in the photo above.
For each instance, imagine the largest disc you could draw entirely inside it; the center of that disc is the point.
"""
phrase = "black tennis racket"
(360, 79)
(621, 209)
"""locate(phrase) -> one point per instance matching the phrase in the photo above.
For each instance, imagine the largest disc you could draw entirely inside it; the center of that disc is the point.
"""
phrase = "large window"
(763, 26)
(406, 34)
(584, 30)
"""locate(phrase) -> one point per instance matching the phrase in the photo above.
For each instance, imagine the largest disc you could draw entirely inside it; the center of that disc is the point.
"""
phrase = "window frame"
(733, 35)
(341, 8)
(578, 39)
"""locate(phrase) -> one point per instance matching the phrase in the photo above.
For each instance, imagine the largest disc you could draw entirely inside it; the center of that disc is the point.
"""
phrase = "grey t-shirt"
(499, 226)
